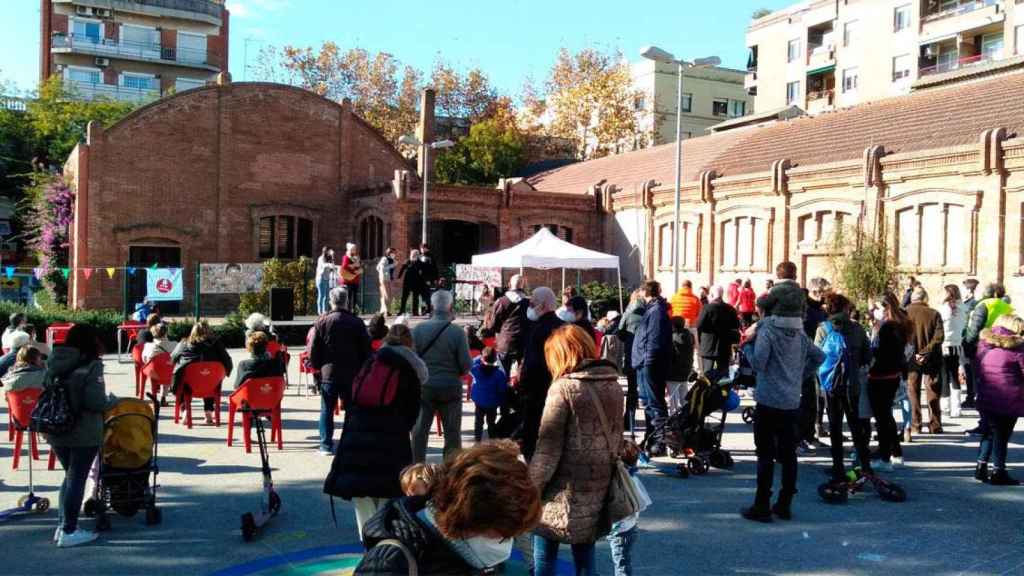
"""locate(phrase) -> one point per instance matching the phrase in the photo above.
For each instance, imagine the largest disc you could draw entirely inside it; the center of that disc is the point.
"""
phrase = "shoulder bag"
(622, 499)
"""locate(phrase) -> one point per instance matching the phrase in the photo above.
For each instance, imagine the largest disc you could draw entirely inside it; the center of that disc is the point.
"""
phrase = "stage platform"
(293, 332)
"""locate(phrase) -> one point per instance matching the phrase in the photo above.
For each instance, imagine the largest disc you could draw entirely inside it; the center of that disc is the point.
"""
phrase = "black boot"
(981, 472)
(1002, 478)
(783, 507)
(760, 511)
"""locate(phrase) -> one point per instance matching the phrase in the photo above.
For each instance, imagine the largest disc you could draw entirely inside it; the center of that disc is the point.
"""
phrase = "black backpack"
(53, 414)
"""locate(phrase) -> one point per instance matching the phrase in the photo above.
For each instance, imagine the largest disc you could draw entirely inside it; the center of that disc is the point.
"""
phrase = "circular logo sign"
(164, 285)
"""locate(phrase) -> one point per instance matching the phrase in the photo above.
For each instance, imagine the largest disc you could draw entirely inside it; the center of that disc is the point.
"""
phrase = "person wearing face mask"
(535, 377)
(575, 312)
(480, 501)
(888, 368)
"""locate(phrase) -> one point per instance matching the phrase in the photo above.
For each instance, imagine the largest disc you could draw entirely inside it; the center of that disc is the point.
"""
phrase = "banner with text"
(469, 280)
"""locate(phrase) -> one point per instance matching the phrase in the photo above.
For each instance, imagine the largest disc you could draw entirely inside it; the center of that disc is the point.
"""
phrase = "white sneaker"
(897, 461)
(76, 538)
(57, 534)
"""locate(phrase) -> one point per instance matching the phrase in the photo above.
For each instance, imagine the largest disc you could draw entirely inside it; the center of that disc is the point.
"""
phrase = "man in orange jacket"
(685, 304)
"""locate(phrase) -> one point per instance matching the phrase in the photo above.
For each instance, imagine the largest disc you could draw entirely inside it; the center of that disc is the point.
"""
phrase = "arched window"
(371, 237)
(285, 237)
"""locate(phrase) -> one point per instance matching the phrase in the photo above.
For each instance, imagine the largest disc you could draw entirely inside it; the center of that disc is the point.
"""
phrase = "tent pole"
(563, 279)
(618, 275)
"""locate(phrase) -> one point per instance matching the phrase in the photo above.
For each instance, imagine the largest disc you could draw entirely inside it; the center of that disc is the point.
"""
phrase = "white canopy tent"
(546, 251)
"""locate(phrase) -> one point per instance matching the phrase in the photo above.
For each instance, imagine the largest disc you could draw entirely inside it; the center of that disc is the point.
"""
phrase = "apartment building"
(133, 49)
(710, 96)
(826, 54)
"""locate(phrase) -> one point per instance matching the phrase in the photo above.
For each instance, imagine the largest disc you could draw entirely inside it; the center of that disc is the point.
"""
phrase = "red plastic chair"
(20, 404)
(376, 345)
(57, 333)
(159, 371)
(140, 378)
(259, 394)
(278, 350)
(468, 378)
(199, 380)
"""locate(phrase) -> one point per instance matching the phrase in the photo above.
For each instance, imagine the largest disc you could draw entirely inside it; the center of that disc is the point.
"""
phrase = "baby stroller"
(128, 456)
(743, 379)
(687, 434)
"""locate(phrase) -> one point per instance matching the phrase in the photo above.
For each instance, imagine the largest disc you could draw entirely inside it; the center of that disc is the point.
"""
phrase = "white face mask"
(423, 259)
(879, 314)
(532, 315)
(483, 552)
(566, 315)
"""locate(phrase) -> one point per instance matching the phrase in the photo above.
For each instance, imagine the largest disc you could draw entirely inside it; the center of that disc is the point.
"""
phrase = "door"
(143, 257)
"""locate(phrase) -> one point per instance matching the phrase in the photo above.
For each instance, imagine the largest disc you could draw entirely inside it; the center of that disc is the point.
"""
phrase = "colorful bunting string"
(110, 272)
(64, 272)
(87, 272)
(9, 271)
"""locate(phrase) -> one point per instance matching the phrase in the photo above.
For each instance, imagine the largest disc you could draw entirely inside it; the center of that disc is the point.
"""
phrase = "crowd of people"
(544, 380)
(419, 277)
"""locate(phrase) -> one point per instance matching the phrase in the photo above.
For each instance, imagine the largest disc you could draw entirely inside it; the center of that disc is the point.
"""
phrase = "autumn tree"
(57, 119)
(466, 95)
(590, 99)
(490, 152)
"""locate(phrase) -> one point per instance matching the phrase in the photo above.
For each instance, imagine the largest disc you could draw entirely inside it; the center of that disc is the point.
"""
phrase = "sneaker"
(325, 451)
(896, 461)
(57, 533)
(804, 449)
(76, 538)
(644, 462)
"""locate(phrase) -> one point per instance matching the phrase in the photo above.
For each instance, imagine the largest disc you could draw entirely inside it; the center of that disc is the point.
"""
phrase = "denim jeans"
(545, 557)
(328, 400)
(448, 402)
(651, 387)
(995, 439)
(775, 437)
(323, 291)
(76, 461)
(622, 550)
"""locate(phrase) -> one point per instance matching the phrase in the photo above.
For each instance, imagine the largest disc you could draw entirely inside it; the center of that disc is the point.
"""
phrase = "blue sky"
(510, 39)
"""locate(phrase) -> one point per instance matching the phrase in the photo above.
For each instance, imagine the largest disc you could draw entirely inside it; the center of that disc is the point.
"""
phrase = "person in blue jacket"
(652, 358)
(490, 386)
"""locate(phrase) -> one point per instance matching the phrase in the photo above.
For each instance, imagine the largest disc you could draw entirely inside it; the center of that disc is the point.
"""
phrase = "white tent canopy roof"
(546, 251)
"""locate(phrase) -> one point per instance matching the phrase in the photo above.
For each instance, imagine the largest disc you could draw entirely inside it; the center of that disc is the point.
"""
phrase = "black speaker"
(282, 304)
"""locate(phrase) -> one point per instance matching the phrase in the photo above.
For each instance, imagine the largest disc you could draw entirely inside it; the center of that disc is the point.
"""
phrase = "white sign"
(469, 280)
(232, 278)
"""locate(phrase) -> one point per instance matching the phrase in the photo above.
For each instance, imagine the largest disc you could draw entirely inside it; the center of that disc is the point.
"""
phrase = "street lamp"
(411, 140)
(659, 55)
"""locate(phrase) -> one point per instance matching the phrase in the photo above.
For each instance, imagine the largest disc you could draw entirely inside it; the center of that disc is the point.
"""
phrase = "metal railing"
(100, 91)
(965, 62)
(13, 103)
(960, 9)
(821, 95)
(142, 50)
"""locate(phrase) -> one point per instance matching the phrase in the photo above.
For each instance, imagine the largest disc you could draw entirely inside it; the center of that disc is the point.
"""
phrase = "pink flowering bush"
(49, 214)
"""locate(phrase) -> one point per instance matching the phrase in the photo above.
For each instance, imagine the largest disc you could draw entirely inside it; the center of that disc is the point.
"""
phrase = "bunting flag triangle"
(87, 272)
(110, 273)
(154, 266)
(9, 271)
(38, 273)
(131, 270)
(64, 272)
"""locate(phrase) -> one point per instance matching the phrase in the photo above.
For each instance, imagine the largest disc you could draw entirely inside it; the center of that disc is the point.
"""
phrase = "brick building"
(247, 171)
(939, 173)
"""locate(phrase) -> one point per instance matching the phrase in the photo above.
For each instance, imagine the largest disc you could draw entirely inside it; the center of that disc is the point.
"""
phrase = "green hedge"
(231, 332)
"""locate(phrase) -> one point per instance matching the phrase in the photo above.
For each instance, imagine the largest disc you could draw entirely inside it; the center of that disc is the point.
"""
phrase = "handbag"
(622, 499)
(53, 414)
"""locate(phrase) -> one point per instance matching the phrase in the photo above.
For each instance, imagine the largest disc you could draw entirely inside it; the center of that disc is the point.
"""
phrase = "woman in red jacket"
(746, 305)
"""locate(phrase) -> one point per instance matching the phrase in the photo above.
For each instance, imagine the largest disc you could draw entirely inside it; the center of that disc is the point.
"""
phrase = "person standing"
(746, 302)
(812, 405)
(445, 350)
(430, 274)
(652, 358)
(970, 348)
(411, 274)
(1000, 395)
(579, 439)
(926, 337)
(954, 320)
(535, 375)
(984, 315)
(326, 278)
(718, 328)
(784, 296)
(685, 304)
(385, 274)
(351, 274)
(509, 323)
(490, 386)
(781, 353)
(912, 283)
(631, 318)
(888, 368)
(78, 364)
(732, 297)
(339, 348)
(375, 445)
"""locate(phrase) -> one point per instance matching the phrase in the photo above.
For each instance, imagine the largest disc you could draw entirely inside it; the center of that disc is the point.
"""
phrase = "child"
(682, 363)
(624, 531)
(160, 344)
(418, 479)
(490, 386)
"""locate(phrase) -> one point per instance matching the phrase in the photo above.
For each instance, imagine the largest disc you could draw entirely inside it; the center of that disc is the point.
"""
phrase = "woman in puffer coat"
(1000, 395)
(572, 465)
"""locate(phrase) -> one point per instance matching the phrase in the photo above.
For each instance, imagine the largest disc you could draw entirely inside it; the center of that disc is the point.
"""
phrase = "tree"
(46, 212)
(862, 265)
(491, 151)
(381, 95)
(590, 99)
(458, 95)
(58, 118)
(760, 13)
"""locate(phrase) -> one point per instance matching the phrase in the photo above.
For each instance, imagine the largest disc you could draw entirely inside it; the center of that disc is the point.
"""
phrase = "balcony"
(99, 91)
(821, 56)
(820, 101)
(959, 64)
(965, 16)
(144, 51)
(203, 10)
(750, 79)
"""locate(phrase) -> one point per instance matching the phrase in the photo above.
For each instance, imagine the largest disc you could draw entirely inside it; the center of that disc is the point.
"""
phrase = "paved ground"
(950, 525)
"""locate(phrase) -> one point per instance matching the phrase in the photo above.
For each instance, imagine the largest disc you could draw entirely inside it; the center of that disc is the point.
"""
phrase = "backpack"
(53, 414)
(376, 384)
(832, 372)
(613, 350)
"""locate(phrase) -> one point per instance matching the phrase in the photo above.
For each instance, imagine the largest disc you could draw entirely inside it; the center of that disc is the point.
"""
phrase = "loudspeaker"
(282, 304)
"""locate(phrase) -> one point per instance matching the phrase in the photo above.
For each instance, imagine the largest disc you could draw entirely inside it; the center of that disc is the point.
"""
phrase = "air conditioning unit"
(102, 62)
(102, 12)
(84, 10)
